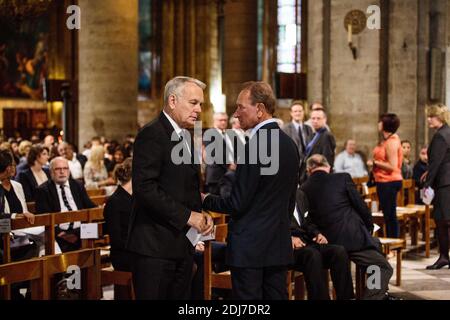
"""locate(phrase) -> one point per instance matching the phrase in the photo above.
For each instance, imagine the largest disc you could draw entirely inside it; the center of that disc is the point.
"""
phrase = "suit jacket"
(29, 183)
(214, 172)
(82, 159)
(307, 230)
(292, 132)
(47, 199)
(325, 145)
(261, 207)
(164, 195)
(338, 211)
(439, 159)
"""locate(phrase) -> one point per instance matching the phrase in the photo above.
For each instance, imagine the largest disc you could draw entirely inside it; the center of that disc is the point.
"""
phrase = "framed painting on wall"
(23, 56)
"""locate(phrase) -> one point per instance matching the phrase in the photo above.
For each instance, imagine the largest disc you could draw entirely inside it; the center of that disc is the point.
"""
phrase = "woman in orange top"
(387, 164)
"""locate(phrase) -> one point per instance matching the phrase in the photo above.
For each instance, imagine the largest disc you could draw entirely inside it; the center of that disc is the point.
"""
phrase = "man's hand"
(200, 246)
(320, 239)
(197, 221)
(297, 243)
(209, 224)
(29, 216)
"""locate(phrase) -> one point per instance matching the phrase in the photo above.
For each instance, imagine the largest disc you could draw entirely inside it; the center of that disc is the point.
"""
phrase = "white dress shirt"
(177, 129)
(76, 170)
(351, 164)
(261, 124)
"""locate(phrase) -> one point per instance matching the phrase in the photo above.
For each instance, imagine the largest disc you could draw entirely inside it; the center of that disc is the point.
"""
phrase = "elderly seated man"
(62, 194)
(339, 212)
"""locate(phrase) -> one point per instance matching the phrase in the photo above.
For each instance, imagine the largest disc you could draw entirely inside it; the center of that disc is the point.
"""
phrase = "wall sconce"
(350, 41)
(355, 22)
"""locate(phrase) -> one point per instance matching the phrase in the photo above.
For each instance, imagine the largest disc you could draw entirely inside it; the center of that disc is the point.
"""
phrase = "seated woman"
(14, 203)
(95, 173)
(117, 212)
(36, 174)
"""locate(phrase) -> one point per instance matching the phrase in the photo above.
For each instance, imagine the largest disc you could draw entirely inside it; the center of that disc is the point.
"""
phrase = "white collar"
(175, 126)
(261, 124)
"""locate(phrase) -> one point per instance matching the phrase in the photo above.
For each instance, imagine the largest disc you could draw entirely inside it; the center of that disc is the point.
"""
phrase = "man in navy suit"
(259, 247)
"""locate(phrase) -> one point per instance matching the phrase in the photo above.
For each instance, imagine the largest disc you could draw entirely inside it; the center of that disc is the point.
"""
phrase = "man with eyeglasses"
(63, 194)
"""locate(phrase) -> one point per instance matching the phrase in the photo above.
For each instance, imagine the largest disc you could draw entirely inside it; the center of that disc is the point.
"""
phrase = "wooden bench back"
(40, 271)
(49, 221)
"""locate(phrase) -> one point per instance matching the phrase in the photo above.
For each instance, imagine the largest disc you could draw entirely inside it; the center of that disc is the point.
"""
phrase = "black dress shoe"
(438, 265)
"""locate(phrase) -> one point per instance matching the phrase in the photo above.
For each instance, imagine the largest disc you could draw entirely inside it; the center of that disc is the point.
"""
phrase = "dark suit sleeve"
(148, 160)
(357, 202)
(27, 188)
(331, 146)
(242, 194)
(438, 148)
(42, 205)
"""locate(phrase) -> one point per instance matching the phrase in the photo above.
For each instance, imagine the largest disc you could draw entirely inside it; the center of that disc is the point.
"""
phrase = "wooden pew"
(99, 200)
(41, 271)
(30, 270)
(49, 221)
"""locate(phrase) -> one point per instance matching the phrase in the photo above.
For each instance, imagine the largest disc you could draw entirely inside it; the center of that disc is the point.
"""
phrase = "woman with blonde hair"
(95, 173)
(438, 177)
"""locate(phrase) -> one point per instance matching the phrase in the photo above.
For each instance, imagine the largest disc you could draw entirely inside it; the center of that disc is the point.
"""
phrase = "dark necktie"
(66, 203)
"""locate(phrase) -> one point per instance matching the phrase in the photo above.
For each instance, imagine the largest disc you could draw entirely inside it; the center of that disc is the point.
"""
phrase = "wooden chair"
(393, 244)
(215, 280)
(119, 278)
(99, 200)
(96, 192)
(408, 189)
(359, 183)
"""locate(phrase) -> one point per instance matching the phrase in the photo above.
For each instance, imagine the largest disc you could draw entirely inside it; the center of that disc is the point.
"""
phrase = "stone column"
(108, 69)
(240, 39)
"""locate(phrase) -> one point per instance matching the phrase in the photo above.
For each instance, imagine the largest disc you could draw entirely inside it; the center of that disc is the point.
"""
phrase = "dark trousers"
(387, 194)
(67, 246)
(162, 279)
(313, 259)
(372, 257)
(267, 283)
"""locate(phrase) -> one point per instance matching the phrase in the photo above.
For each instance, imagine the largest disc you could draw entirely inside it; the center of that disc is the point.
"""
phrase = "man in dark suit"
(259, 247)
(338, 211)
(63, 194)
(166, 196)
(300, 132)
(313, 253)
(322, 142)
(215, 171)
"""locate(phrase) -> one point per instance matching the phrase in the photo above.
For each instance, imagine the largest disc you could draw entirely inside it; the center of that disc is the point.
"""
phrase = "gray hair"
(175, 85)
(316, 161)
(52, 163)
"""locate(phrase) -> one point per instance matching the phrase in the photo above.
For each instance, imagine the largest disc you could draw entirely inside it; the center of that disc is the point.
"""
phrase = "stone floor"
(419, 283)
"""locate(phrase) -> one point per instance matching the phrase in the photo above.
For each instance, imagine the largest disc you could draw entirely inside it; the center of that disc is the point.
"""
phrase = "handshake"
(202, 222)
